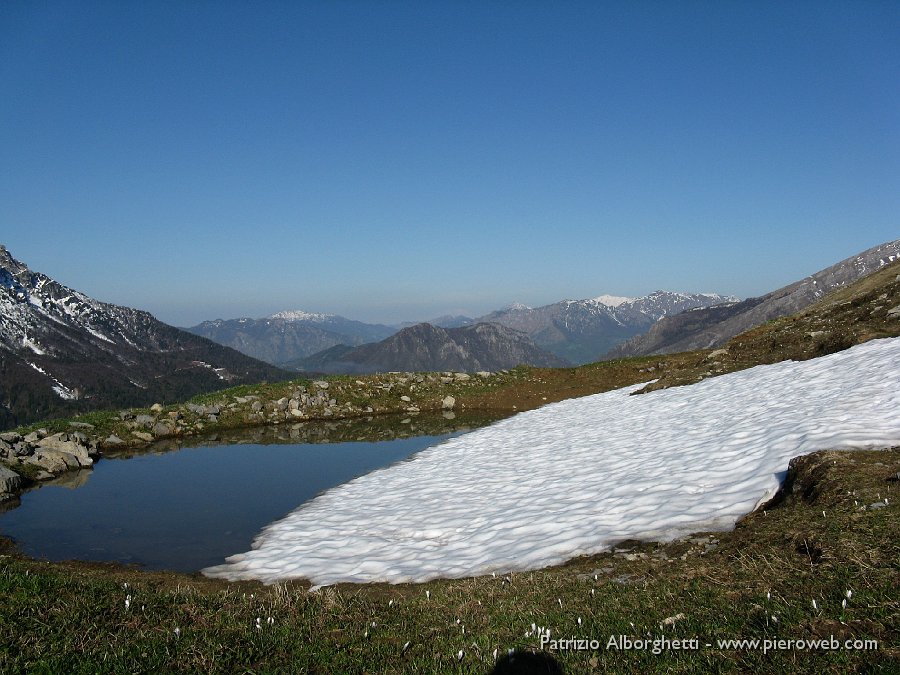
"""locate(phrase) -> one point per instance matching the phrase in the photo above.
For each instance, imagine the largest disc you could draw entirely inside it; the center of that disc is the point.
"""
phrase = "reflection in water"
(365, 429)
(187, 505)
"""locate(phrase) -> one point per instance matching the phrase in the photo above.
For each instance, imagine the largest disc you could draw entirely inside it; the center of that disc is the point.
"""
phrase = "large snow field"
(577, 476)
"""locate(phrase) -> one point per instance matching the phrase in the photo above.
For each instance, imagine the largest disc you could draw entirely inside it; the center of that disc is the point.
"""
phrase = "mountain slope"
(62, 351)
(712, 327)
(424, 347)
(287, 336)
(582, 330)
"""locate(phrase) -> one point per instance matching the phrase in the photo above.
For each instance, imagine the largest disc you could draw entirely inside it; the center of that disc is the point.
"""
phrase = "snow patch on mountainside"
(575, 477)
(300, 315)
(610, 300)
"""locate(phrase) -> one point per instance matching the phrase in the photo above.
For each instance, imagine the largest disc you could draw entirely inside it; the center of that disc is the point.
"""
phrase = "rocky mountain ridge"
(62, 351)
(713, 326)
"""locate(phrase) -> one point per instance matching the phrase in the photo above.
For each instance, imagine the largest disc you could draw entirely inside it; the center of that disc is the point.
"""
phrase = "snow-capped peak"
(611, 300)
(516, 306)
(300, 315)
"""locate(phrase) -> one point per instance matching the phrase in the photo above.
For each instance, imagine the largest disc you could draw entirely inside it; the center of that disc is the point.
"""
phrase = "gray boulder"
(9, 480)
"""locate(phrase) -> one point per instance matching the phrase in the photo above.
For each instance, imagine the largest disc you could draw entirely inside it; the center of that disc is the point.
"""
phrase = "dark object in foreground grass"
(527, 663)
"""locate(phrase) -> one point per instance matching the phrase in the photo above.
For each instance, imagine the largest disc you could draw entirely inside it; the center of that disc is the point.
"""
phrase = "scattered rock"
(669, 620)
(71, 445)
(9, 480)
(156, 407)
(112, 439)
(143, 435)
(163, 429)
(405, 399)
(54, 461)
(461, 377)
(448, 403)
(894, 311)
(321, 384)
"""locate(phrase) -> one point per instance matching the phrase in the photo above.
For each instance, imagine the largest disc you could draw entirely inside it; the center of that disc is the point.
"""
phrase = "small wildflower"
(459, 656)
(270, 621)
(579, 620)
(560, 602)
(258, 624)
(815, 606)
(592, 592)
(774, 619)
(495, 653)
(406, 646)
(844, 603)
(427, 595)
(768, 595)
(177, 632)
(391, 603)
(848, 594)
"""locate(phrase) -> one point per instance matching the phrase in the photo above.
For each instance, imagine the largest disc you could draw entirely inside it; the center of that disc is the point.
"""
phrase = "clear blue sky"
(398, 160)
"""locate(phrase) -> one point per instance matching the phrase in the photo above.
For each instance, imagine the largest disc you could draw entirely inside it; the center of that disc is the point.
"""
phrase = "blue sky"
(399, 160)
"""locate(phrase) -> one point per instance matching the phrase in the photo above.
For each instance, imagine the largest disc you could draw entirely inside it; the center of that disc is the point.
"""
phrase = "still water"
(188, 508)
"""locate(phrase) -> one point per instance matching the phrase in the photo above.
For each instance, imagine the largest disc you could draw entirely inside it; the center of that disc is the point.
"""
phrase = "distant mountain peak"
(300, 315)
(516, 307)
(611, 300)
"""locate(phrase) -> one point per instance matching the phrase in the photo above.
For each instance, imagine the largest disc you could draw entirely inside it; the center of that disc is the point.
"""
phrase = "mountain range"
(290, 335)
(581, 331)
(576, 331)
(713, 326)
(63, 352)
(424, 347)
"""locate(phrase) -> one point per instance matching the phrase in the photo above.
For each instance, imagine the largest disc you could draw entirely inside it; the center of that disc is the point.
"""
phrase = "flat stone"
(321, 384)
(405, 399)
(54, 461)
(73, 445)
(448, 403)
(461, 377)
(143, 435)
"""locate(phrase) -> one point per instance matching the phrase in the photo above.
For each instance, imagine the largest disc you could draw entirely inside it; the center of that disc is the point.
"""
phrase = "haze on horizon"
(399, 161)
